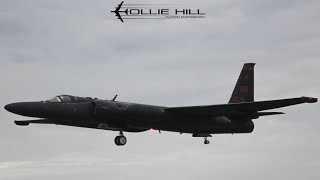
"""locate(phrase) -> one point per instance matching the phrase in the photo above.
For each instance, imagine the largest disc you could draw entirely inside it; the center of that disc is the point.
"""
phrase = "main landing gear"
(206, 141)
(120, 140)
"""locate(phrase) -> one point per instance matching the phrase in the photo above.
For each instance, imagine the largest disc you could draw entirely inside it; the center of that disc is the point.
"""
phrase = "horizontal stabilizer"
(37, 121)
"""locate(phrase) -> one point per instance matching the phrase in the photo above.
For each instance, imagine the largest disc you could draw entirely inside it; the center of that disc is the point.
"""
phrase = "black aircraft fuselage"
(122, 116)
(201, 121)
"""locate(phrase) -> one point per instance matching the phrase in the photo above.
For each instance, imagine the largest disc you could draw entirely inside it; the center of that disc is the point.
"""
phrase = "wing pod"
(37, 121)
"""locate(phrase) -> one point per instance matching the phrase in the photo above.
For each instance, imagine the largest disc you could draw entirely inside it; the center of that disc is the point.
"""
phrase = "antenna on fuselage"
(114, 98)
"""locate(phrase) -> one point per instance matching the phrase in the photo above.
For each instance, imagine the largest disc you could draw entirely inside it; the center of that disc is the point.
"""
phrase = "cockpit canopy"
(68, 98)
(55, 99)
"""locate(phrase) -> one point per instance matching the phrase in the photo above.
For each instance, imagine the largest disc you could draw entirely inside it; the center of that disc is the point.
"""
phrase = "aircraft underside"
(196, 129)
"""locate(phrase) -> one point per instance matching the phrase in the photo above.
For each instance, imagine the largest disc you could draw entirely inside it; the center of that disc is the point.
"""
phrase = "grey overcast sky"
(78, 47)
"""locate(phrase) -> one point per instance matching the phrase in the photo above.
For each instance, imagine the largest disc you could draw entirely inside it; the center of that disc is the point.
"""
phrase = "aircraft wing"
(241, 108)
(119, 16)
(118, 8)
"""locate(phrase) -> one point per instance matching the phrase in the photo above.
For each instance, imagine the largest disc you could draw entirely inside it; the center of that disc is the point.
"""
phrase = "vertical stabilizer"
(244, 89)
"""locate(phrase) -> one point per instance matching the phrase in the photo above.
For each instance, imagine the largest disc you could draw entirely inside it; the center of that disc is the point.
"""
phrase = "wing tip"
(309, 99)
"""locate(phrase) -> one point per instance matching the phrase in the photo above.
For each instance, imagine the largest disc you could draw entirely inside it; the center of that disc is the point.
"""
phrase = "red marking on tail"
(244, 89)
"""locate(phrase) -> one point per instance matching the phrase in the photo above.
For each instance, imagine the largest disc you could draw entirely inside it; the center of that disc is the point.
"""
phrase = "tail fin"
(244, 89)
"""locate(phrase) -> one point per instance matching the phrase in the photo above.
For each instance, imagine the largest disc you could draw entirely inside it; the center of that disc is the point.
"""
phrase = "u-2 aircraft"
(200, 121)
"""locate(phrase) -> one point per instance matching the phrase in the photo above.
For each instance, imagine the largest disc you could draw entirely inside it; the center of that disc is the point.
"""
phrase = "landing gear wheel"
(116, 141)
(120, 140)
(206, 141)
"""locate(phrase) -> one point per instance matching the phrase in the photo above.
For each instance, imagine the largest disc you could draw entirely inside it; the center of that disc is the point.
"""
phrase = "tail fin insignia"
(244, 89)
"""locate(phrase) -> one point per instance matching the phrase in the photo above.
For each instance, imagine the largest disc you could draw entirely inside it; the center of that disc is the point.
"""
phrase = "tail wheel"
(206, 141)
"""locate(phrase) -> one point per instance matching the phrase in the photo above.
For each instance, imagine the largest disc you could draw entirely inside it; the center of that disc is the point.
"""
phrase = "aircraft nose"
(9, 107)
(30, 109)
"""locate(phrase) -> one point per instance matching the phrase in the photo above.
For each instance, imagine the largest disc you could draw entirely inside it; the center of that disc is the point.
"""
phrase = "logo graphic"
(117, 11)
(155, 11)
